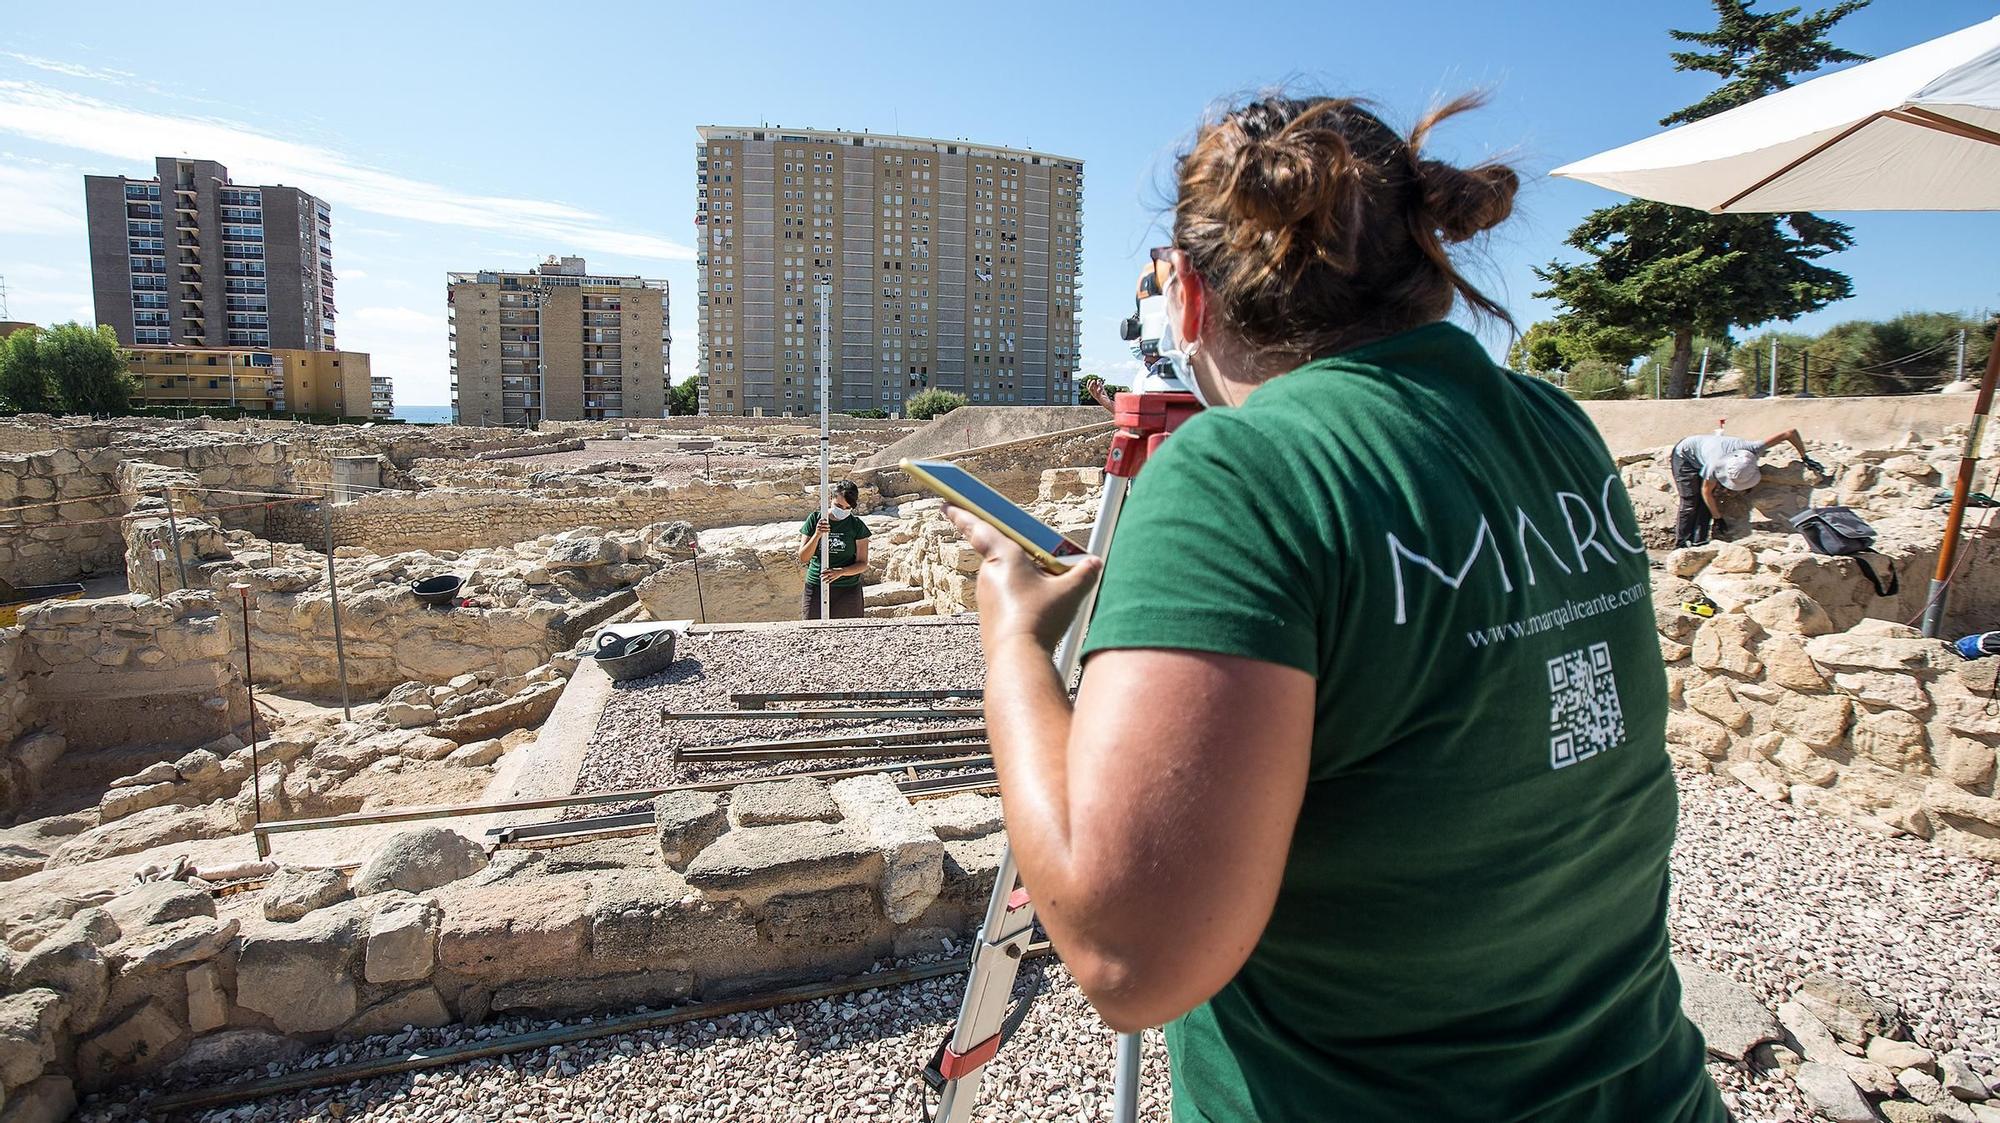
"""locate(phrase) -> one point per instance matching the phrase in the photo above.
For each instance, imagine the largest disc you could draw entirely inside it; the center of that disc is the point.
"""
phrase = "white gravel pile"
(634, 748)
(1765, 894)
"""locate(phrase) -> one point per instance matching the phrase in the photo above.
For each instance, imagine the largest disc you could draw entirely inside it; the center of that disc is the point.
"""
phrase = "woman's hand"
(1017, 598)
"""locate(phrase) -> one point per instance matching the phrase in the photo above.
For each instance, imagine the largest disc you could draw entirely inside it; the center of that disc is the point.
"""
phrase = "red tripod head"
(1144, 420)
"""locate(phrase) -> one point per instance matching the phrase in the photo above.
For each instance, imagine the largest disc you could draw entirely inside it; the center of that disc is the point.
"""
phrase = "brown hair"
(1317, 228)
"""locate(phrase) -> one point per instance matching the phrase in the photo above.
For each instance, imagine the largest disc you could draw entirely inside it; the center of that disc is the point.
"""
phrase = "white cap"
(1738, 471)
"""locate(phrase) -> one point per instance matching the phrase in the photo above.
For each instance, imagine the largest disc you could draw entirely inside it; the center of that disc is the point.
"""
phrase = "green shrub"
(933, 403)
(1594, 380)
(872, 414)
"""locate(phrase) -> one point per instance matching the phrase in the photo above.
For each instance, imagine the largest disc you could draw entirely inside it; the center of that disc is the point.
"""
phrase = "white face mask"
(1174, 356)
(837, 512)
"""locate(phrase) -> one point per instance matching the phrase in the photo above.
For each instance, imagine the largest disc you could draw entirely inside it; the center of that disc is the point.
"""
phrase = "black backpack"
(1839, 532)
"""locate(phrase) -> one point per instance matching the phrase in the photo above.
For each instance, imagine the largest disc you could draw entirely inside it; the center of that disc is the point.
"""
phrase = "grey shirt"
(1708, 450)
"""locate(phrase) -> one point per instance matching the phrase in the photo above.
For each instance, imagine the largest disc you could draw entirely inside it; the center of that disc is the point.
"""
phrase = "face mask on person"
(1180, 359)
(838, 512)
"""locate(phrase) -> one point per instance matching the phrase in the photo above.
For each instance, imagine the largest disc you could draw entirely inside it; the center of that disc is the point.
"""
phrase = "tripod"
(1143, 420)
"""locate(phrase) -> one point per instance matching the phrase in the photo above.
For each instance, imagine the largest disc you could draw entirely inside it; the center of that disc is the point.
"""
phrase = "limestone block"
(1847, 1011)
(754, 863)
(51, 1099)
(38, 753)
(913, 855)
(159, 826)
(1691, 560)
(1726, 643)
(140, 1041)
(121, 802)
(1899, 1055)
(1944, 799)
(1786, 664)
(158, 902)
(965, 815)
(821, 921)
(1864, 650)
(29, 1023)
(1733, 1021)
(70, 963)
(1759, 777)
(1892, 739)
(300, 974)
(402, 940)
(200, 767)
(648, 988)
(419, 859)
(207, 1002)
(1894, 690)
(420, 1007)
(528, 708)
(1963, 711)
(1968, 764)
(796, 800)
(1715, 699)
(685, 823)
(477, 754)
(295, 891)
(406, 715)
(146, 951)
(1671, 652)
(1960, 1081)
(1703, 736)
(513, 930)
(1791, 612)
(1733, 557)
(1832, 1093)
(1818, 721)
(1802, 763)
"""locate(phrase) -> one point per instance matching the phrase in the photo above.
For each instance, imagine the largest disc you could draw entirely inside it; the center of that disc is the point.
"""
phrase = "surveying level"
(1143, 420)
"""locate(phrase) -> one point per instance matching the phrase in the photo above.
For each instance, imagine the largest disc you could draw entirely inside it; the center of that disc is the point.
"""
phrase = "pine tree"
(1654, 270)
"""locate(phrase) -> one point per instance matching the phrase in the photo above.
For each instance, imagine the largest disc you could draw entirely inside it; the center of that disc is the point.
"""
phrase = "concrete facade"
(556, 343)
(952, 266)
(286, 380)
(187, 257)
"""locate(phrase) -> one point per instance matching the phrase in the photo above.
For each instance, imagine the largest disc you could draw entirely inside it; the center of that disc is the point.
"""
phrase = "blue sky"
(456, 136)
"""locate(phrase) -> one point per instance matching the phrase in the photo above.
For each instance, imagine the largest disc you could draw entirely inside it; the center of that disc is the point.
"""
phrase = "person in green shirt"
(1364, 794)
(847, 553)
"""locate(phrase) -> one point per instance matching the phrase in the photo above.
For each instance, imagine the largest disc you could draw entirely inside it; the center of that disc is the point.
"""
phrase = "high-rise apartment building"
(952, 265)
(189, 258)
(556, 343)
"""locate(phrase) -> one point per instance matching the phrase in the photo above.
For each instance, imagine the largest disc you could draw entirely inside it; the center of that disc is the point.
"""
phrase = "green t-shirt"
(843, 535)
(1472, 921)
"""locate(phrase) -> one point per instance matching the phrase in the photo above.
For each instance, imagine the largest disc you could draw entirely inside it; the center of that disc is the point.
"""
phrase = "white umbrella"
(1918, 130)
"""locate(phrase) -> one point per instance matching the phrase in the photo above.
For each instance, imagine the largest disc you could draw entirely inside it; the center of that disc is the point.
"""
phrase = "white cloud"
(352, 274)
(39, 200)
(74, 70)
(51, 116)
(406, 344)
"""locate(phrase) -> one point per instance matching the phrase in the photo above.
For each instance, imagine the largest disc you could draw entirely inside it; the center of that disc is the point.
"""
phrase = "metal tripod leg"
(1010, 919)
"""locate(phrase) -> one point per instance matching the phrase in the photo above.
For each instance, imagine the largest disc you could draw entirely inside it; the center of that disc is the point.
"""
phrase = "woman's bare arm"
(1151, 824)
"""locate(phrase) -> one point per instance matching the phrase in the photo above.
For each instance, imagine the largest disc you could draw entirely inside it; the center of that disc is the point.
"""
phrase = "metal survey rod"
(1702, 380)
(250, 688)
(1940, 591)
(333, 591)
(174, 535)
(825, 443)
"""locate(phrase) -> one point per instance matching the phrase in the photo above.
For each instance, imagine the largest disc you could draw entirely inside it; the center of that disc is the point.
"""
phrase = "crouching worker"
(1368, 846)
(847, 552)
(1707, 463)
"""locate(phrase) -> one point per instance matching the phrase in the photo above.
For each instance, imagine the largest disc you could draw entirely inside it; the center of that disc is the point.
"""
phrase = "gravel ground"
(1766, 894)
(634, 748)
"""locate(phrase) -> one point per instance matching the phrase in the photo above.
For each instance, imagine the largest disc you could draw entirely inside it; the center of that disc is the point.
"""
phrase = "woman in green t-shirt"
(848, 553)
(1365, 792)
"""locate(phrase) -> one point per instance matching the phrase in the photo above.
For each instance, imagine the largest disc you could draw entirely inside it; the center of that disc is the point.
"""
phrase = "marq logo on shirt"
(1585, 529)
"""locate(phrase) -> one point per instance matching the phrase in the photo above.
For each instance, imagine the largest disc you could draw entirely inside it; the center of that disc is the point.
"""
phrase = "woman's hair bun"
(1296, 189)
(1465, 202)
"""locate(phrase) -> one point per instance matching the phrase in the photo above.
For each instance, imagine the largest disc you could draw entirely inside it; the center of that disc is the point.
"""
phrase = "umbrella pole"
(1941, 581)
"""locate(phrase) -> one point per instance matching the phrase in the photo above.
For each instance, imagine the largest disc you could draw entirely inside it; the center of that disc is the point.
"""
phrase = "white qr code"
(1584, 715)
